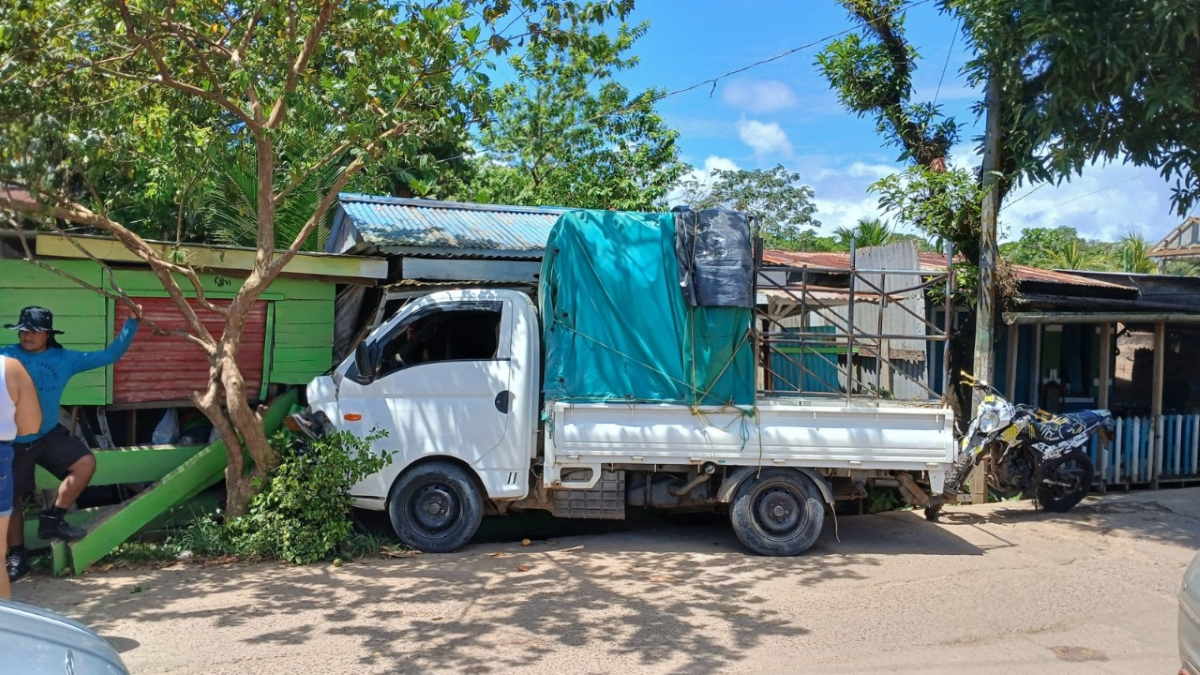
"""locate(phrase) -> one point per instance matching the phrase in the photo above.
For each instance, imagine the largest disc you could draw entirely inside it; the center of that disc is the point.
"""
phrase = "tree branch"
(69, 211)
(304, 175)
(164, 73)
(279, 111)
(120, 294)
(244, 43)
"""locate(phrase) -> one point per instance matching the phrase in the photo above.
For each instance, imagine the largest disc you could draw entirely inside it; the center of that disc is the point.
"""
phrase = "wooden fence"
(1132, 459)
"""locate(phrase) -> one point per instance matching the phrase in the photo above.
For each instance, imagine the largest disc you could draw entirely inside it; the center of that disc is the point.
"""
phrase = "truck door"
(442, 387)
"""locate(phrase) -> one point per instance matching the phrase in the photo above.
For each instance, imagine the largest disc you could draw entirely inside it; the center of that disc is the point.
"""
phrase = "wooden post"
(1160, 340)
(1106, 352)
(1010, 388)
(1035, 381)
(987, 263)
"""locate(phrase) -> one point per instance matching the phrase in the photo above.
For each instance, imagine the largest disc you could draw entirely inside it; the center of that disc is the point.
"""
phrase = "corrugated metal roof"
(932, 262)
(392, 223)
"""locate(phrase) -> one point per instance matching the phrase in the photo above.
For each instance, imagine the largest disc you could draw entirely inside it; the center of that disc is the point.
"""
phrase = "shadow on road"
(1167, 516)
(698, 601)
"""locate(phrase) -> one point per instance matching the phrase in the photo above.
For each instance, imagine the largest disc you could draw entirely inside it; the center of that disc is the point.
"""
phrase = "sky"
(784, 112)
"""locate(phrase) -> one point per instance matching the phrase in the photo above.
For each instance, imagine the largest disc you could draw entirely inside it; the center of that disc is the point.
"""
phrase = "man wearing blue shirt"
(52, 447)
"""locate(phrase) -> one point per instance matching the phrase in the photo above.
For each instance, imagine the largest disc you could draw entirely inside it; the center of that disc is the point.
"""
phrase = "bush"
(302, 513)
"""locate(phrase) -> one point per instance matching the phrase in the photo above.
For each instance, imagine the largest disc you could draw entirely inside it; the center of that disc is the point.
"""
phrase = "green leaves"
(780, 205)
(302, 514)
(565, 134)
(1089, 80)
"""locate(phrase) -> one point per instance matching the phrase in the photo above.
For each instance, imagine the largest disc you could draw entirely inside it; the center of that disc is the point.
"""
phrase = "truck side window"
(468, 334)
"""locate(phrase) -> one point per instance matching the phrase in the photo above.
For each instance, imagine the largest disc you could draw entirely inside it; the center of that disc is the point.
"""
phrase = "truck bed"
(885, 435)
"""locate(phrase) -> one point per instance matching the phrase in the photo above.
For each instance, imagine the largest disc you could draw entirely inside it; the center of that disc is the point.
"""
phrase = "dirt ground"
(993, 589)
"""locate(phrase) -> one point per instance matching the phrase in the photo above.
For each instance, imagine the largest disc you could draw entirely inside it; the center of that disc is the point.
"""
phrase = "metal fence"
(870, 337)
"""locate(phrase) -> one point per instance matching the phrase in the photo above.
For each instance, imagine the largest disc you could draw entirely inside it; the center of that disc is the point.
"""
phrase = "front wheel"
(777, 513)
(1063, 482)
(436, 507)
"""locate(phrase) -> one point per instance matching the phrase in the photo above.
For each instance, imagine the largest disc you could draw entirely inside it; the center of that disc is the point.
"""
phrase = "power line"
(1018, 199)
(714, 80)
(945, 66)
(1075, 199)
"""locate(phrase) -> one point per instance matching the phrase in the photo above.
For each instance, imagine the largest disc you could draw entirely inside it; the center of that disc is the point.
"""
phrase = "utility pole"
(986, 302)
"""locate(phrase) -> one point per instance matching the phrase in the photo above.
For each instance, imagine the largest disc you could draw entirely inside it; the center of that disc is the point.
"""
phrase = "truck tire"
(777, 512)
(436, 507)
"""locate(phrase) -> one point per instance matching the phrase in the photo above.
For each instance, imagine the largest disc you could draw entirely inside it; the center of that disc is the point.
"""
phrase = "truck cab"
(452, 379)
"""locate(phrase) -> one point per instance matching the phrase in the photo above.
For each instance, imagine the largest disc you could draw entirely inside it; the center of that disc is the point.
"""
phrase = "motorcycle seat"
(1069, 425)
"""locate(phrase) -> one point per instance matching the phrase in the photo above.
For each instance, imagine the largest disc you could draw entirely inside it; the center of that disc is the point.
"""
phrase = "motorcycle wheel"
(1064, 481)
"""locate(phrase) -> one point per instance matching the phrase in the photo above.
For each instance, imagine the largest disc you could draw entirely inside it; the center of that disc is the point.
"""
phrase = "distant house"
(1183, 243)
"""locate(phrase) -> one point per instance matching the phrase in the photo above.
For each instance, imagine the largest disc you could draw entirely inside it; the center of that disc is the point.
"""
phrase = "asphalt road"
(993, 589)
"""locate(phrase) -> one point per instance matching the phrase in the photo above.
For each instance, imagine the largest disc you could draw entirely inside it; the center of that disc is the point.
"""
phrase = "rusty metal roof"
(931, 262)
(395, 224)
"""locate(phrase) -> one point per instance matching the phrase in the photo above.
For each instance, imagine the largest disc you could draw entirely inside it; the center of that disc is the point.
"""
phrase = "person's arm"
(112, 353)
(24, 395)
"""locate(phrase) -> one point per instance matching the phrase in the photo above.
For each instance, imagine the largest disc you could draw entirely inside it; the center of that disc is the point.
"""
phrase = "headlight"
(989, 422)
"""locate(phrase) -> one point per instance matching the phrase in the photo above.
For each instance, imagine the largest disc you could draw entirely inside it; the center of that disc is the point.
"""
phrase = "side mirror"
(364, 364)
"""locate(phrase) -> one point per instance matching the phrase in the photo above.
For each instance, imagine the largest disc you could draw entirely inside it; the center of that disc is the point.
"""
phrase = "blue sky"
(784, 113)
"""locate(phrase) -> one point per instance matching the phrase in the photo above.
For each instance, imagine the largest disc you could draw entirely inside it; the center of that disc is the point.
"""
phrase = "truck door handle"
(504, 401)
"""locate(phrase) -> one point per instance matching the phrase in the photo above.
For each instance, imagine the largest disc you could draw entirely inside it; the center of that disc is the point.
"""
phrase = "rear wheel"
(777, 513)
(1063, 482)
(436, 507)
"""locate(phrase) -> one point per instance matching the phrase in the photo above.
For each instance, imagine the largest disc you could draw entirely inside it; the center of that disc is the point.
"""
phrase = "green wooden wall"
(81, 313)
(299, 331)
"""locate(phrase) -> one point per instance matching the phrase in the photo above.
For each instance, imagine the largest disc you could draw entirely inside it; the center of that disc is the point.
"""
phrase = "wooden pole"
(987, 263)
(1160, 341)
(1035, 381)
(1010, 388)
(1106, 353)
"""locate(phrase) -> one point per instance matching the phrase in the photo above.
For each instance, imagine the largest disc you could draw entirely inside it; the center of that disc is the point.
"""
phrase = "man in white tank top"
(20, 414)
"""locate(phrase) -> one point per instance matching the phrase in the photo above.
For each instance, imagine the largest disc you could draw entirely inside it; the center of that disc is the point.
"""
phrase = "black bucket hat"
(35, 320)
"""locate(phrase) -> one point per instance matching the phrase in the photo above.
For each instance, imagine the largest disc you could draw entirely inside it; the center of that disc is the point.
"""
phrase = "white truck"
(455, 378)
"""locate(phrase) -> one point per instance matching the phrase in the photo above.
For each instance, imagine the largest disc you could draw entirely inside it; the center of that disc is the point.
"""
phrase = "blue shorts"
(6, 479)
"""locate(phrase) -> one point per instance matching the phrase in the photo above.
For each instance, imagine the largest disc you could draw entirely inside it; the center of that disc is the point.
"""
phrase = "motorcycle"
(1031, 451)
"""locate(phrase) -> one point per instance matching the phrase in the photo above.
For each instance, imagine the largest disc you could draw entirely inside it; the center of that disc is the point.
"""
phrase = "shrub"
(302, 513)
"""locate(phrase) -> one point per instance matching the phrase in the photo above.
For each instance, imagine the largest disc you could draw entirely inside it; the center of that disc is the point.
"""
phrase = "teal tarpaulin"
(616, 326)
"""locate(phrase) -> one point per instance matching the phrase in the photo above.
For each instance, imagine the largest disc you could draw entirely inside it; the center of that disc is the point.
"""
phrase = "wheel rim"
(434, 508)
(779, 510)
(1065, 479)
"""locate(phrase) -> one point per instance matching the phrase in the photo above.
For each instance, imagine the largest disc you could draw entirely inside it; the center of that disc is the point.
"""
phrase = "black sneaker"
(18, 565)
(51, 526)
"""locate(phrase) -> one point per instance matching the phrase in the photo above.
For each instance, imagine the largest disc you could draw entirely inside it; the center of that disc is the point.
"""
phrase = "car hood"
(45, 642)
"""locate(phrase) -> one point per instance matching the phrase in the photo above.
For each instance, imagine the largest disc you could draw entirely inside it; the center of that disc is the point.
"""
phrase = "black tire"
(933, 512)
(436, 507)
(1074, 469)
(777, 513)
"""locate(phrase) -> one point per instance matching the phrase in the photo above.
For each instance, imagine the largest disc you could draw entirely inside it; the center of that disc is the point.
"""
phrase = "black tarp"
(716, 258)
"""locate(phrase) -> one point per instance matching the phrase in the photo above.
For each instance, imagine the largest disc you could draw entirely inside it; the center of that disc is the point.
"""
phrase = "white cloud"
(1105, 202)
(700, 176)
(766, 138)
(836, 213)
(758, 96)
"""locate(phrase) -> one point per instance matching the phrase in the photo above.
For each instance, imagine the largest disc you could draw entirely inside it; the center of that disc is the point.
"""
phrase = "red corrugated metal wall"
(161, 368)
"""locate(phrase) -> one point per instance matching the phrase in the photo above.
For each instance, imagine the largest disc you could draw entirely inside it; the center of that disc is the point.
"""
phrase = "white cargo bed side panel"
(821, 437)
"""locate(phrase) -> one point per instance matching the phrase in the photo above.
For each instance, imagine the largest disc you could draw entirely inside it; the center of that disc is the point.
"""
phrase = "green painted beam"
(60, 559)
(194, 475)
(141, 464)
